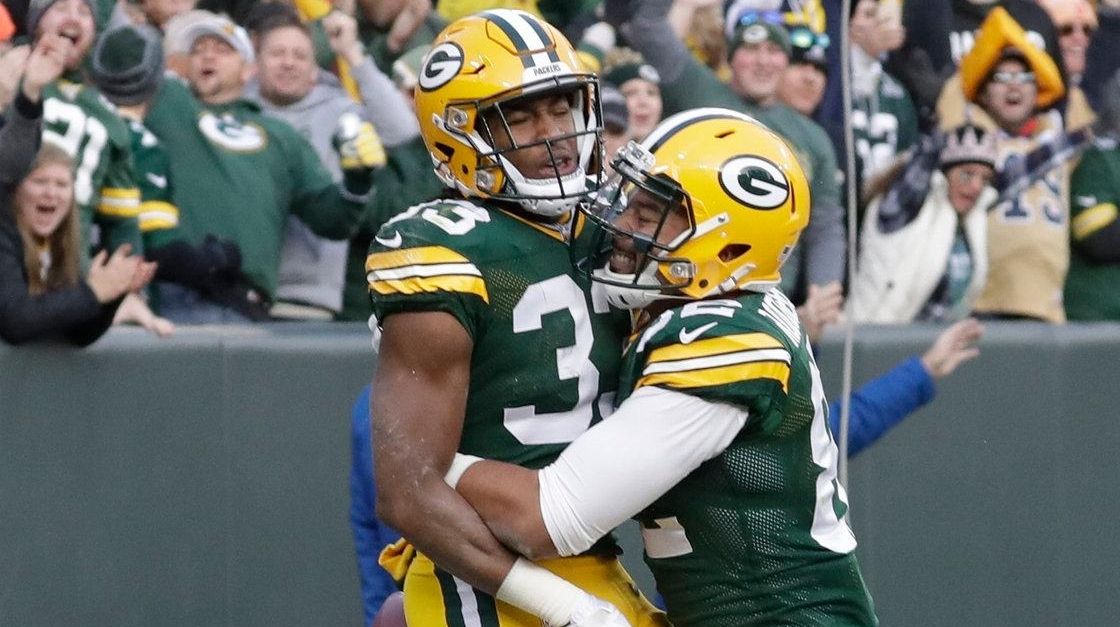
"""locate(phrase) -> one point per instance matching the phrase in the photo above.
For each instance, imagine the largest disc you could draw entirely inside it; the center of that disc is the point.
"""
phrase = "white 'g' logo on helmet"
(755, 182)
(440, 66)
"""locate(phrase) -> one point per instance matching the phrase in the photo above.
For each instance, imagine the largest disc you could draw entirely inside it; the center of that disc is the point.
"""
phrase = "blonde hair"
(62, 245)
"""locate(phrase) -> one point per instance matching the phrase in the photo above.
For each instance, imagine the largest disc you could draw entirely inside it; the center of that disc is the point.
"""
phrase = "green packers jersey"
(1090, 289)
(884, 125)
(238, 174)
(158, 216)
(546, 345)
(756, 535)
(78, 119)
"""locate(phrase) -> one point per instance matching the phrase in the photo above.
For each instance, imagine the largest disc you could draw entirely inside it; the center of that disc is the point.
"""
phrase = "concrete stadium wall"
(203, 480)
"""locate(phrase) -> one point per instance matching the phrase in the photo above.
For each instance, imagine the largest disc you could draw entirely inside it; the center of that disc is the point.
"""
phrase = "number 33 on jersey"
(546, 345)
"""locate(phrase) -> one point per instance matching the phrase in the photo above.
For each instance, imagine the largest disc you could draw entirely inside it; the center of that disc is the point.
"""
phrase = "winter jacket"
(903, 260)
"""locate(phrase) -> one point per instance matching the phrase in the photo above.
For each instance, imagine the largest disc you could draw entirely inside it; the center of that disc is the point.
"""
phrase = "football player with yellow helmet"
(492, 344)
(720, 444)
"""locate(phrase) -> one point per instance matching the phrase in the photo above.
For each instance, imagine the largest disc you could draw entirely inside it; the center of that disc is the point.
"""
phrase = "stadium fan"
(43, 296)
(238, 174)
(1012, 88)
(926, 258)
(78, 119)
(640, 84)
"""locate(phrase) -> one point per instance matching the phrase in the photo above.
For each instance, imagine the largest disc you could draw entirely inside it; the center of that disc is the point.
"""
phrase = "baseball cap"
(222, 28)
(755, 27)
(127, 63)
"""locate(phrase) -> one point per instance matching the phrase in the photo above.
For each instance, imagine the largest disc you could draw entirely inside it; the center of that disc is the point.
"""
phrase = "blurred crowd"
(229, 161)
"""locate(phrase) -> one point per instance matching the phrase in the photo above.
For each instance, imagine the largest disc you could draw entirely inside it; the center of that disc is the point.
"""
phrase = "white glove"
(591, 611)
(556, 601)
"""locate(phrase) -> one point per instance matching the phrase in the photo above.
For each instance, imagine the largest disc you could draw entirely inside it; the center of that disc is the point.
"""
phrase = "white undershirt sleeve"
(625, 462)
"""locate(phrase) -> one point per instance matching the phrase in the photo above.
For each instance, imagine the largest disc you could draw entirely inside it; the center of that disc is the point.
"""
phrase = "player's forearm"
(507, 497)
(445, 528)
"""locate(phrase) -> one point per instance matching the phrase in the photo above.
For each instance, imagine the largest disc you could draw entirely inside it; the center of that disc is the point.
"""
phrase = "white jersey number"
(829, 530)
(80, 129)
(557, 294)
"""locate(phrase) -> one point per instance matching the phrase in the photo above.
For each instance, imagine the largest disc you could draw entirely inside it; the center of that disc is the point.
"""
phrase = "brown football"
(391, 613)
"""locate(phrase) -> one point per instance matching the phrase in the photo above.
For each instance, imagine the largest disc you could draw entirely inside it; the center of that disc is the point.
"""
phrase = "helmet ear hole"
(733, 251)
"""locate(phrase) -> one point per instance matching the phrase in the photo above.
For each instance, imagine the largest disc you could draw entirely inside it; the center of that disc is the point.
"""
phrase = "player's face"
(1010, 93)
(643, 101)
(286, 66)
(73, 20)
(756, 70)
(966, 182)
(215, 71)
(45, 197)
(802, 87)
(536, 123)
(159, 11)
(646, 215)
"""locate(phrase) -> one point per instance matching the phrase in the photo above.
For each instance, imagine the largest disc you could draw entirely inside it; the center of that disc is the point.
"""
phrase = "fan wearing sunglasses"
(1013, 87)
(1076, 21)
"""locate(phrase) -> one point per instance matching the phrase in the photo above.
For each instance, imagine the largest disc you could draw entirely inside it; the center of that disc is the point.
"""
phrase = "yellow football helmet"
(740, 190)
(477, 65)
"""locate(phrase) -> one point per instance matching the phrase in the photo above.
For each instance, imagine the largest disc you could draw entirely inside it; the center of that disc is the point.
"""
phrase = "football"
(391, 613)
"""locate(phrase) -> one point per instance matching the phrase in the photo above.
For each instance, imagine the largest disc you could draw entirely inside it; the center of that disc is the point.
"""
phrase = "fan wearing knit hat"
(72, 19)
(88, 128)
(927, 261)
(127, 66)
(640, 84)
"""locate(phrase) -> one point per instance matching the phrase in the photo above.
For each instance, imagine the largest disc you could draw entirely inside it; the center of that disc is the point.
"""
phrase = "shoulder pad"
(710, 343)
(428, 248)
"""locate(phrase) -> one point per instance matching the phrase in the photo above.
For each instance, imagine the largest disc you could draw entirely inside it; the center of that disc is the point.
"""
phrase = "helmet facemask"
(640, 244)
(571, 156)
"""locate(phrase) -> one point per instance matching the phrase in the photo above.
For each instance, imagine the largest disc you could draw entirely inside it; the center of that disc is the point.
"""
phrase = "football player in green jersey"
(720, 445)
(77, 118)
(491, 343)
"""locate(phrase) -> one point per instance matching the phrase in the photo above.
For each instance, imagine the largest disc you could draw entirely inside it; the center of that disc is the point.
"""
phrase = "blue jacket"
(370, 534)
(882, 403)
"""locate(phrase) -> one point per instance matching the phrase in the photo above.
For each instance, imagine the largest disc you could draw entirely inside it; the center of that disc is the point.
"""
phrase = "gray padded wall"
(203, 480)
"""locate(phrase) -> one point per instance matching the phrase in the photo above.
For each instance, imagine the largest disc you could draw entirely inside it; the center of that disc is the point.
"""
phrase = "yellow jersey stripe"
(413, 256)
(1092, 220)
(714, 346)
(119, 208)
(158, 211)
(443, 283)
(718, 361)
(776, 370)
(120, 193)
(156, 215)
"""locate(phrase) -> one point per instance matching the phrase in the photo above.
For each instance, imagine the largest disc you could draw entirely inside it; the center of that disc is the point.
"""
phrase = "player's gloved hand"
(591, 611)
(358, 145)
